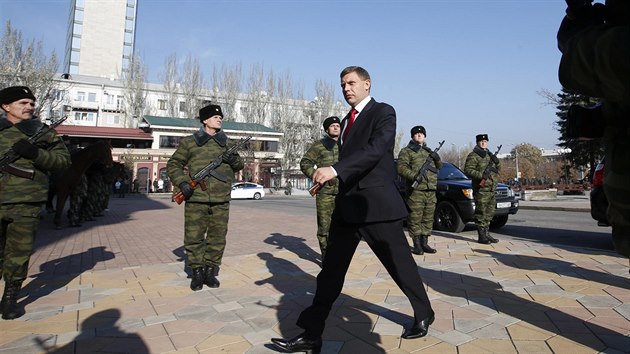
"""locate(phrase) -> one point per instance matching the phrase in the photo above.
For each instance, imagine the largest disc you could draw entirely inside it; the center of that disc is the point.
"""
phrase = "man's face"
(213, 122)
(418, 138)
(334, 130)
(19, 110)
(354, 88)
(483, 144)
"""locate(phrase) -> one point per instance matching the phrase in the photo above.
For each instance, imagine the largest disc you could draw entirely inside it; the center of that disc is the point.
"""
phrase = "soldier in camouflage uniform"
(77, 199)
(596, 62)
(421, 200)
(484, 186)
(21, 198)
(206, 212)
(322, 153)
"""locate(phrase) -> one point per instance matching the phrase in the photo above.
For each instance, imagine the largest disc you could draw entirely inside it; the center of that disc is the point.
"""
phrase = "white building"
(101, 36)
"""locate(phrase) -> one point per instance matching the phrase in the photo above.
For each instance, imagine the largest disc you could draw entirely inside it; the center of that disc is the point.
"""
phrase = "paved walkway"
(118, 285)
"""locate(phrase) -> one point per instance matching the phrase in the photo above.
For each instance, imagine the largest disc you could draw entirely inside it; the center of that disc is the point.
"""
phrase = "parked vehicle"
(599, 202)
(455, 205)
(247, 190)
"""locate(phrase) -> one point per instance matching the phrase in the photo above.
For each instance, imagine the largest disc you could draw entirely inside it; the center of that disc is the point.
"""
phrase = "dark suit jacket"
(367, 189)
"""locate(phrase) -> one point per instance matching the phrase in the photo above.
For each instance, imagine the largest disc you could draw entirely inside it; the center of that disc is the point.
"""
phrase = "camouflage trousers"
(422, 209)
(77, 198)
(485, 206)
(325, 204)
(18, 226)
(205, 228)
(617, 190)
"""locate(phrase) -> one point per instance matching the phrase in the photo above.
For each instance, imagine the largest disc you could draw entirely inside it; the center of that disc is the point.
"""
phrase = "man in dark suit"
(368, 206)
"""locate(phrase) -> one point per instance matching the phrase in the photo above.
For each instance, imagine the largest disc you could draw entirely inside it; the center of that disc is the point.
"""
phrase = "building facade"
(101, 37)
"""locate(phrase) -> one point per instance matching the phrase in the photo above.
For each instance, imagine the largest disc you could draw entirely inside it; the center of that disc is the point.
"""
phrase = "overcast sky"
(457, 67)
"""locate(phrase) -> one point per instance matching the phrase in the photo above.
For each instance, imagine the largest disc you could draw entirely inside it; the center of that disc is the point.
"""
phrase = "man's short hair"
(363, 74)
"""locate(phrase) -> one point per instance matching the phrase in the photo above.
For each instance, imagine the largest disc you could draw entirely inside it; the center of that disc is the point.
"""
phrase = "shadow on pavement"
(561, 237)
(296, 245)
(99, 333)
(56, 274)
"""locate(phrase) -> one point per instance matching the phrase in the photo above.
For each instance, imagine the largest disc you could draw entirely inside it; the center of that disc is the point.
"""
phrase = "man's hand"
(486, 176)
(434, 155)
(187, 189)
(25, 149)
(231, 158)
(494, 158)
(323, 175)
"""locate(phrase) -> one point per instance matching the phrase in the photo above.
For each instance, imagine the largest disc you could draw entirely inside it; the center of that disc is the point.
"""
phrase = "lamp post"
(459, 162)
(516, 159)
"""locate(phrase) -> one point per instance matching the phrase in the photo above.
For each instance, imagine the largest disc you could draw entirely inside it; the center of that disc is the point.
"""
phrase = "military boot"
(198, 275)
(211, 279)
(482, 236)
(425, 245)
(10, 309)
(489, 237)
(417, 246)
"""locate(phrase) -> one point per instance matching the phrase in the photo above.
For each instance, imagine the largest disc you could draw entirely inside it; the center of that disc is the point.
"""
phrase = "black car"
(455, 205)
(599, 202)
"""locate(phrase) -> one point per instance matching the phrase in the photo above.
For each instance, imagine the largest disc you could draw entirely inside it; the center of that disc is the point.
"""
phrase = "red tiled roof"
(102, 132)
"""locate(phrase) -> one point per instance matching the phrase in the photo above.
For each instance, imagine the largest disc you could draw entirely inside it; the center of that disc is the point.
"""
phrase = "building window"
(84, 116)
(80, 96)
(162, 105)
(113, 120)
(91, 97)
(182, 106)
(169, 141)
(77, 29)
(119, 102)
(109, 99)
(244, 111)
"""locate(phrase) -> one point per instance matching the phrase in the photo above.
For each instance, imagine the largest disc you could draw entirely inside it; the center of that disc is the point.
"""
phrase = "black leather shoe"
(299, 343)
(419, 329)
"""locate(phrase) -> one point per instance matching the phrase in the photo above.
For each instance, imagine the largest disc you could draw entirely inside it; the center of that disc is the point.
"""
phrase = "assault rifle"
(490, 168)
(423, 169)
(6, 162)
(209, 170)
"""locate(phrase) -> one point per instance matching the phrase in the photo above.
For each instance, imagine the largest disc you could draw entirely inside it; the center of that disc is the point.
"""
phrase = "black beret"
(418, 129)
(209, 111)
(481, 137)
(330, 120)
(15, 93)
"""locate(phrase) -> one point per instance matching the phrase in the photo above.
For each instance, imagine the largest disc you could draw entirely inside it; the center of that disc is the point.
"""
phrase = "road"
(545, 226)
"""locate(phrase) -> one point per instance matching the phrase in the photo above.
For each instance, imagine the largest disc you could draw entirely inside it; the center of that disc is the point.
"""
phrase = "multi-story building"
(101, 37)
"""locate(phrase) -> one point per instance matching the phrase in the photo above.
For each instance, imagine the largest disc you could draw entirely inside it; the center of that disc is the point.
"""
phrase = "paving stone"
(599, 301)
(453, 337)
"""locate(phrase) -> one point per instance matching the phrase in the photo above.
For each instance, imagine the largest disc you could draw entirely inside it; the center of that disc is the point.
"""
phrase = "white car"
(247, 190)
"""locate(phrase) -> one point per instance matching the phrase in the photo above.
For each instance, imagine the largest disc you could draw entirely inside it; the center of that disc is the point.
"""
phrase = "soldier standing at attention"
(323, 153)
(21, 198)
(484, 186)
(206, 212)
(421, 200)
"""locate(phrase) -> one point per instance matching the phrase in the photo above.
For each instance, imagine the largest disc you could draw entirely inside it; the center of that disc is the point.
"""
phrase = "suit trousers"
(388, 242)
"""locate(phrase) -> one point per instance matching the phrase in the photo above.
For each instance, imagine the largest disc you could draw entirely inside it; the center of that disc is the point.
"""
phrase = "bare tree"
(25, 64)
(261, 89)
(397, 142)
(192, 84)
(135, 92)
(226, 88)
(169, 79)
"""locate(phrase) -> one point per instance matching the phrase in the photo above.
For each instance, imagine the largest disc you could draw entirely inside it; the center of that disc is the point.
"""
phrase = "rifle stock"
(209, 170)
(7, 160)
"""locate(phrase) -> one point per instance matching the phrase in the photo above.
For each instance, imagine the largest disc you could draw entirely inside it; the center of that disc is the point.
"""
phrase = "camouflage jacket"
(410, 160)
(196, 152)
(476, 163)
(322, 153)
(53, 156)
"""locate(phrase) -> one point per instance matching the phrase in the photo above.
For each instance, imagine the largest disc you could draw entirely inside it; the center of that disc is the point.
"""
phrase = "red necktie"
(353, 115)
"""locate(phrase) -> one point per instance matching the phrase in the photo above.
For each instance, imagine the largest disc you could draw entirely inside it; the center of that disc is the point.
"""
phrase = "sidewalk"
(118, 285)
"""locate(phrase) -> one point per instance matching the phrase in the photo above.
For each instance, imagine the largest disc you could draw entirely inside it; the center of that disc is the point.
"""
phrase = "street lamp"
(459, 162)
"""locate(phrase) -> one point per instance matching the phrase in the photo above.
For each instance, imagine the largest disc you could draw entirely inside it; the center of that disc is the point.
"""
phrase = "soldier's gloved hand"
(25, 149)
(494, 158)
(187, 189)
(434, 155)
(231, 158)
